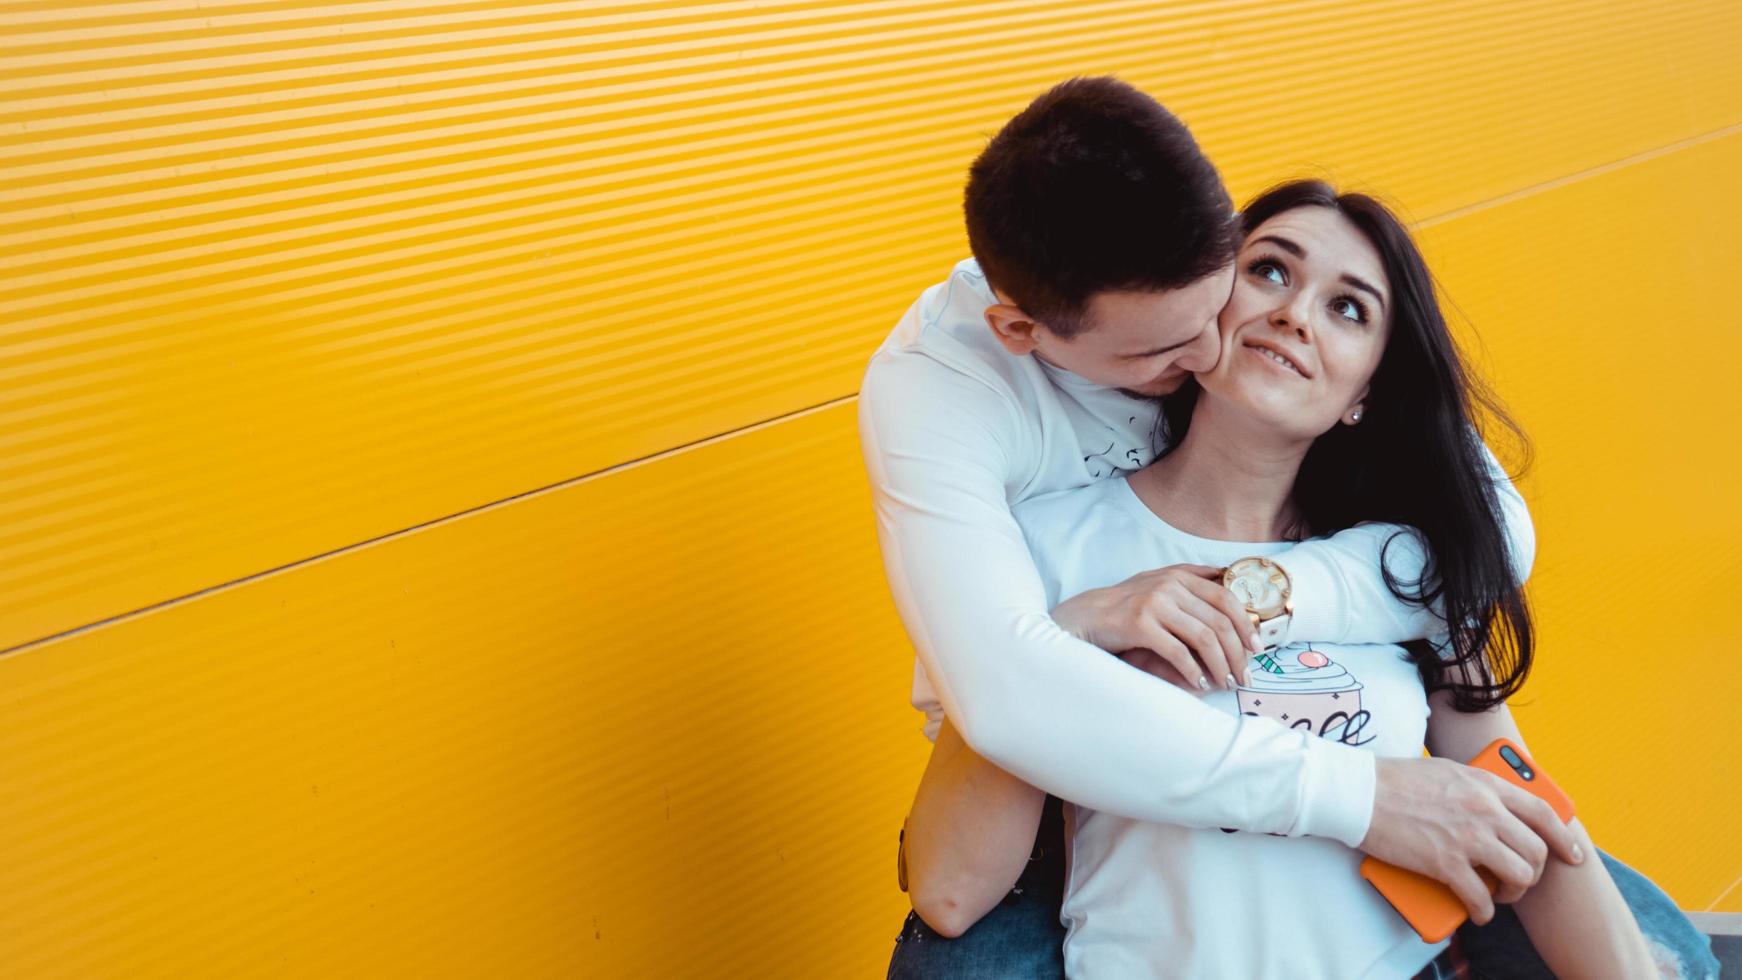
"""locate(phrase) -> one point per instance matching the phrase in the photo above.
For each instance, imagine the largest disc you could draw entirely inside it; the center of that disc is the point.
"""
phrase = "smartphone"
(1432, 908)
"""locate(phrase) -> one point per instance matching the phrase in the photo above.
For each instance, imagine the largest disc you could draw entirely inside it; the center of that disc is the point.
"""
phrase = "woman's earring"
(1355, 417)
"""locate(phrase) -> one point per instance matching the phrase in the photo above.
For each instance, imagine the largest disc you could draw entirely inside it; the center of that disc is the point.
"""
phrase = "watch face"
(1258, 586)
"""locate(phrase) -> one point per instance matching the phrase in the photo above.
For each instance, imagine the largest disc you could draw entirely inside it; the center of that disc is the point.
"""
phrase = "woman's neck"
(1228, 479)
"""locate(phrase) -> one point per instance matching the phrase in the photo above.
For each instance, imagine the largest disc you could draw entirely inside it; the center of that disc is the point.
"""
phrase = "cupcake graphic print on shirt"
(1301, 687)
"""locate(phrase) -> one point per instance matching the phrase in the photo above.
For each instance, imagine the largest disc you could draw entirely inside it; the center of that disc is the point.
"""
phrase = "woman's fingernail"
(1203, 682)
(1231, 684)
(1578, 853)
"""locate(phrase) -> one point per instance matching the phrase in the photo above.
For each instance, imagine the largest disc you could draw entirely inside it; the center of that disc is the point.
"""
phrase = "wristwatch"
(1264, 588)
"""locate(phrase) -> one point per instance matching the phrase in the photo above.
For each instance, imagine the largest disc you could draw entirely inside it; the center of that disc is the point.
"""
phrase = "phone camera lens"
(1511, 757)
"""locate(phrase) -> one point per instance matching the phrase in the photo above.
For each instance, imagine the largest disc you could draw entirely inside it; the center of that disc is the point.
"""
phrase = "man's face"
(1144, 343)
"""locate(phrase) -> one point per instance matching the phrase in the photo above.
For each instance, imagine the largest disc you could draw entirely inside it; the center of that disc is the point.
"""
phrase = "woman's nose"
(1292, 319)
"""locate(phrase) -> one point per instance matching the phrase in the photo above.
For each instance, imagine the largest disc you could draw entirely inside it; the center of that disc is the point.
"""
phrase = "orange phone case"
(1430, 907)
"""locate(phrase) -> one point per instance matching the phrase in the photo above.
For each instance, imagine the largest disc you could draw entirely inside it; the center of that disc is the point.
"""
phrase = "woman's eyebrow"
(1284, 244)
(1360, 284)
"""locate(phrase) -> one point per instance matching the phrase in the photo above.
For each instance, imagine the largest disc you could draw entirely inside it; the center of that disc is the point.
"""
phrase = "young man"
(1103, 242)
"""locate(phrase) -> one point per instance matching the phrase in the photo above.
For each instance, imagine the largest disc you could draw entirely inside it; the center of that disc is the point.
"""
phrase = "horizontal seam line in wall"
(435, 522)
(1586, 174)
(1712, 908)
(1451, 215)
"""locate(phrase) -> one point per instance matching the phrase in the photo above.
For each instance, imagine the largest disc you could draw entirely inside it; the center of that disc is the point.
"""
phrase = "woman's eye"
(1268, 270)
(1350, 309)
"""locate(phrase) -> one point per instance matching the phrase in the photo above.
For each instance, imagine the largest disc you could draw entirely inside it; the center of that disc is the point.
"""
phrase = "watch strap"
(1273, 632)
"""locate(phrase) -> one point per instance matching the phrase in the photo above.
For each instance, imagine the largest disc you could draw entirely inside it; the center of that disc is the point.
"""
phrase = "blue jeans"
(1022, 938)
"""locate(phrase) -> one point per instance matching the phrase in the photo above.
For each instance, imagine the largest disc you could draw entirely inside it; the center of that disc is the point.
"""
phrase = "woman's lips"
(1276, 359)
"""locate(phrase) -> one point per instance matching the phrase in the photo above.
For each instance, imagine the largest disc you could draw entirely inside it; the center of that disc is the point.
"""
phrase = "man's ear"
(1012, 327)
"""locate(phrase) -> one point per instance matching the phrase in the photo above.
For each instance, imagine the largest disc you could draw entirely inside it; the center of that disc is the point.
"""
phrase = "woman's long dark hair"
(1417, 460)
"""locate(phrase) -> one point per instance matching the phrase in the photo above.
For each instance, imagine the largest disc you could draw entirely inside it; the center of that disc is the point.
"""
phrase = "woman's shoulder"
(1098, 534)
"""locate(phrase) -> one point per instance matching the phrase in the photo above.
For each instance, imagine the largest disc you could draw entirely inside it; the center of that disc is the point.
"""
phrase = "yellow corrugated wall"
(432, 535)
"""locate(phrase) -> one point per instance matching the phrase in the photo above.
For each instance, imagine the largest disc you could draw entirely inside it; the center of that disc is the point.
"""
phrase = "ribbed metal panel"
(280, 278)
(1600, 310)
(284, 277)
(522, 744)
(651, 724)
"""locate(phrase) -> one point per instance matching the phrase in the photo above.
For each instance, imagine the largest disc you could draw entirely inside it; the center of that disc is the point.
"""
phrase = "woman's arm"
(1574, 914)
(1340, 588)
(973, 825)
(968, 836)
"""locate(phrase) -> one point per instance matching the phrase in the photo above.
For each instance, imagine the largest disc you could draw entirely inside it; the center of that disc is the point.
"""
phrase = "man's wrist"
(1338, 792)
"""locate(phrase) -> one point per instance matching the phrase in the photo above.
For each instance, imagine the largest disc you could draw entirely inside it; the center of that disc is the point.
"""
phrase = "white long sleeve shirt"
(955, 430)
(1146, 900)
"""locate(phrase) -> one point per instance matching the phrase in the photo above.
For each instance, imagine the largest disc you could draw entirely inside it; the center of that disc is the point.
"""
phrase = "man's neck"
(1227, 480)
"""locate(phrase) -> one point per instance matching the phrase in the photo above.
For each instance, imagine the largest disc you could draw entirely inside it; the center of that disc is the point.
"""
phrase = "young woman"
(1338, 398)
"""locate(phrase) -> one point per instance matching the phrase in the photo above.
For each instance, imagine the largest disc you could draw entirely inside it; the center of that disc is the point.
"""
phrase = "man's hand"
(1444, 819)
(1181, 613)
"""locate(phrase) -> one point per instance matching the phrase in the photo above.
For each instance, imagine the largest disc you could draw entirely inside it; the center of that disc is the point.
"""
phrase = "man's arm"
(1029, 697)
(1340, 595)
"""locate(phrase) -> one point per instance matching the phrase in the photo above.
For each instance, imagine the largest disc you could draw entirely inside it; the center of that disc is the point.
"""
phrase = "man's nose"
(1203, 352)
(1197, 360)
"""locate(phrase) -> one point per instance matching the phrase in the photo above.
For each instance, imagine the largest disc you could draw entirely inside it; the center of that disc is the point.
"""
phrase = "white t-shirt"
(955, 430)
(1147, 899)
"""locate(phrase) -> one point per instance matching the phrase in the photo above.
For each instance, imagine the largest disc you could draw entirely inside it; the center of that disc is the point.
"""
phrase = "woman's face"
(1305, 325)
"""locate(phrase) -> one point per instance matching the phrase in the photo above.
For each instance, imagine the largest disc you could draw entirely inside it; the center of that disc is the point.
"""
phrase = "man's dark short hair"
(1095, 186)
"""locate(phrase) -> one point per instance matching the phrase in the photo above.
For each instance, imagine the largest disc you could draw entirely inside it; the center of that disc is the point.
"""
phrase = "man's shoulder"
(945, 331)
(945, 311)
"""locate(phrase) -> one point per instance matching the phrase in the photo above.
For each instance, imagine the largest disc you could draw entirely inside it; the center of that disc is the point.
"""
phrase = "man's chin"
(1167, 384)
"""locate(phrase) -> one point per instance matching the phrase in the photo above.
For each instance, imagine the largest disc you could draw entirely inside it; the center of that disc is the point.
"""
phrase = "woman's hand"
(1180, 614)
(1149, 663)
